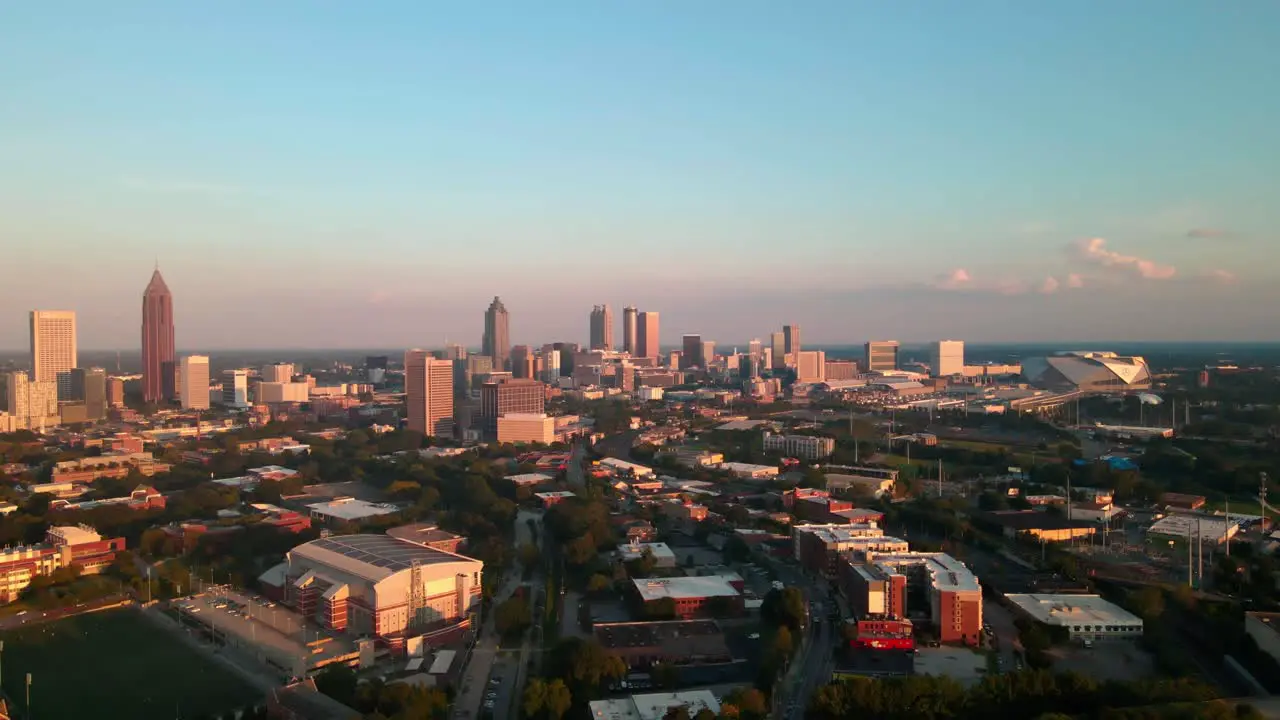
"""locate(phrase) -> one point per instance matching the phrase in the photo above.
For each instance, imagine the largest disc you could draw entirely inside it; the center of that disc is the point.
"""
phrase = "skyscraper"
(791, 339)
(629, 329)
(277, 373)
(647, 334)
(753, 349)
(428, 386)
(235, 388)
(193, 382)
(89, 386)
(948, 358)
(691, 352)
(497, 336)
(53, 347)
(777, 350)
(522, 362)
(157, 339)
(601, 328)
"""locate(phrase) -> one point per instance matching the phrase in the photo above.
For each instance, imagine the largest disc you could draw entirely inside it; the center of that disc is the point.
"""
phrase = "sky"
(338, 174)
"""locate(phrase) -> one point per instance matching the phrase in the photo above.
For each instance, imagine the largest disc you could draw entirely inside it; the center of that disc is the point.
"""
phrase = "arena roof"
(373, 557)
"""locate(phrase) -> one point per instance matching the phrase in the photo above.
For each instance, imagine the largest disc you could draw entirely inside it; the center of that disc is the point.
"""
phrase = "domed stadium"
(1088, 372)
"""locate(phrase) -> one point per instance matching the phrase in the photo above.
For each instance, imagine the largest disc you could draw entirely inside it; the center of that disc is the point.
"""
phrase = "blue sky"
(371, 174)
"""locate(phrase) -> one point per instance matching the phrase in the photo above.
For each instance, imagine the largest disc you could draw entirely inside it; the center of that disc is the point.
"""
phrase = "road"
(812, 665)
(480, 664)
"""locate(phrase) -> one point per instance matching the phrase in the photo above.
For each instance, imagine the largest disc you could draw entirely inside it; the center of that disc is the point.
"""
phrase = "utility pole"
(1228, 530)
(1199, 554)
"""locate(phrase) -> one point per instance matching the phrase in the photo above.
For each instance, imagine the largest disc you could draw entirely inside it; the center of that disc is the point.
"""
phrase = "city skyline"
(992, 173)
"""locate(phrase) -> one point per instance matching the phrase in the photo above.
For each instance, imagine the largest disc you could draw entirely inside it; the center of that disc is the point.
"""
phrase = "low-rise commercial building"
(348, 509)
(1035, 524)
(521, 428)
(654, 706)
(549, 499)
(88, 469)
(642, 645)
(749, 470)
(662, 555)
(1083, 616)
(805, 447)
(692, 596)
(823, 549)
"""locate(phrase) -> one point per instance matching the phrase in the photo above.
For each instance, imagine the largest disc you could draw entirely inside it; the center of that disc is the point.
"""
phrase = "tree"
(585, 666)
(559, 699)
(748, 703)
(338, 681)
(784, 607)
(512, 616)
(535, 697)
(1148, 603)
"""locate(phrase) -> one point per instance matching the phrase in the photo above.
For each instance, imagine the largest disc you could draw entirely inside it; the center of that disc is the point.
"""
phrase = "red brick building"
(824, 549)
(693, 596)
(883, 633)
(63, 546)
(878, 588)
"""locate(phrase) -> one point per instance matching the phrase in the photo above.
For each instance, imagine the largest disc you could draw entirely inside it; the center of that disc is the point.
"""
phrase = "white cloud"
(1075, 281)
(958, 279)
(1095, 250)
(1223, 276)
(1050, 285)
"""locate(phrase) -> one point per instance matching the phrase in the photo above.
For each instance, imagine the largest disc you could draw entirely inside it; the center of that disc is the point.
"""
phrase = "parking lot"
(960, 664)
(1119, 660)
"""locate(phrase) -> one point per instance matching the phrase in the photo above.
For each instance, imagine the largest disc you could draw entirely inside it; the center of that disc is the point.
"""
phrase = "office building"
(791, 339)
(115, 392)
(53, 346)
(89, 386)
(377, 585)
(824, 549)
(878, 587)
(32, 405)
(754, 349)
(235, 388)
(523, 364)
(882, 356)
(375, 368)
(497, 334)
(502, 396)
(748, 366)
(601, 328)
(691, 352)
(272, 393)
(550, 365)
(948, 358)
(708, 352)
(519, 427)
(840, 370)
(629, 329)
(811, 366)
(169, 380)
(428, 386)
(647, 334)
(777, 350)
(805, 447)
(193, 382)
(157, 342)
(277, 373)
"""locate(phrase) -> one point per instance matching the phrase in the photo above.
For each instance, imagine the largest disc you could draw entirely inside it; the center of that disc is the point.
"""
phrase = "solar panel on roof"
(383, 551)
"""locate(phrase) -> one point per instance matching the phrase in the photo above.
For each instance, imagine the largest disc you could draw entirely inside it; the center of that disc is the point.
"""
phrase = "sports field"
(116, 665)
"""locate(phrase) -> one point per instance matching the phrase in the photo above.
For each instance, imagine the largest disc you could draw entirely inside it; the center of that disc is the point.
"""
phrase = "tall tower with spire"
(157, 340)
(496, 342)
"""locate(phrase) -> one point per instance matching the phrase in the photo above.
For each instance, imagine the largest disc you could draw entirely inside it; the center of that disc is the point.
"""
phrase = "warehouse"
(1086, 616)
(378, 585)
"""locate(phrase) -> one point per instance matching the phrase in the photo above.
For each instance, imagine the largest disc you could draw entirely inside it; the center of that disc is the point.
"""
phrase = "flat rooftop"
(1077, 610)
(351, 509)
(945, 572)
(530, 478)
(373, 557)
(654, 634)
(422, 533)
(653, 706)
(835, 534)
(659, 550)
(684, 588)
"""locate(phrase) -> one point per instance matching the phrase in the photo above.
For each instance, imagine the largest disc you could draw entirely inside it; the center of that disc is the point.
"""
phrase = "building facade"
(193, 383)
(235, 388)
(811, 366)
(647, 330)
(32, 405)
(428, 385)
(53, 344)
(497, 334)
(601, 328)
(881, 356)
(510, 396)
(157, 339)
(805, 447)
(691, 352)
(777, 350)
(629, 329)
(63, 547)
(791, 339)
(947, 359)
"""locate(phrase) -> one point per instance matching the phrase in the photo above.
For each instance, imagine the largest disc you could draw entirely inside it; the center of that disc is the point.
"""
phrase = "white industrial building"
(654, 706)
(948, 358)
(1082, 615)
(1207, 528)
(378, 585)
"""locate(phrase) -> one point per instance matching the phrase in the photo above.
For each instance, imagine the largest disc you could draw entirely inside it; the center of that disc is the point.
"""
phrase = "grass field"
(116, 665)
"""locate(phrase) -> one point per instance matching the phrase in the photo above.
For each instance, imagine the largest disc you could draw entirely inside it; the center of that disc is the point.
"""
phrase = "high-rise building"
(277, 373)
(157, 340)
(629, 329)
(708, 352)
(748, 366)
(691, 352)
(509, 395)
(169, 380)
(33, 404)
(235, 388)
(882, 356)
(497, 334)
(647, 334)
(522, 362)
(550, 364)
(811, 366)
(478, 366)
(777, 350)
(428, 385)
(115, 392)
(601, 328)
(89, 386)
(791, 339)
(754, 350)
(193, 382)
(841, 370)
(948, 358)
(53, 346)
(455, 351)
